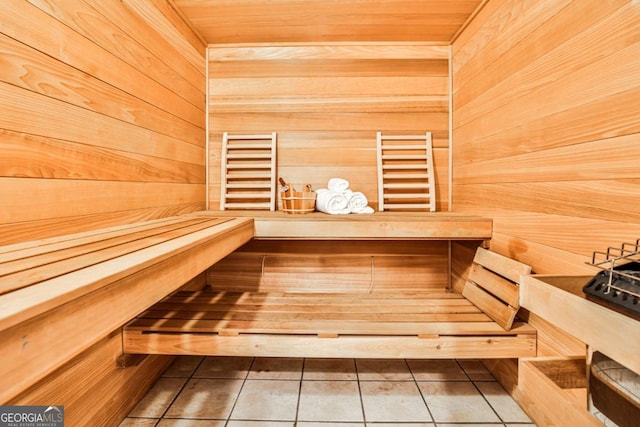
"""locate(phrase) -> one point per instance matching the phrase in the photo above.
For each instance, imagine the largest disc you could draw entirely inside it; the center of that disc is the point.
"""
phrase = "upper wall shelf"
(380, 225)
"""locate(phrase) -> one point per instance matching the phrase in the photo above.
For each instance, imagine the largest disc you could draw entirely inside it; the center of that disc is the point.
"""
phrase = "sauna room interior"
(126, 248)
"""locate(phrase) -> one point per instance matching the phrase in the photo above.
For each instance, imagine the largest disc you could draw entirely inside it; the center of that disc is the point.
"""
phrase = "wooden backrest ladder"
(248, 172)
(405, 172)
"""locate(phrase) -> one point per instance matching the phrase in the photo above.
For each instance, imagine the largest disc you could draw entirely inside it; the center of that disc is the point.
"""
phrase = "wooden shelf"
(560, 300)
(554, 391)
(380, 225)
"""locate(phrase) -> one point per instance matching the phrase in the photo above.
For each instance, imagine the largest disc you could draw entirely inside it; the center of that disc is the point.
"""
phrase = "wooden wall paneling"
(170, 49)
(561, 129)
(329, 266)
(68, 198)
(34, 27)
(39, 157)
(94, 109)
(326, 102)
(569, 90)
(557, 105)
(599, 199)
(577, 235)
(169, 21)
(28, 112)
(41, 229)
(23, 66)
(99, 386)
(106, 33)
(547, 35)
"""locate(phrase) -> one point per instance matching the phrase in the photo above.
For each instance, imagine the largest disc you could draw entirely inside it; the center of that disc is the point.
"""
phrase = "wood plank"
(70, 249)
(28, 302)
(349, 347)
(327, 86)
(471, 316)
(496, 285)
(494, 308)
(310, 309)
(32, 270)
(336, 327)
(335, 68)
(44, 246)
(169, 50)
(288, 51)
(500, 264)
(169, 21)
(603, 200)
(548, 37)
(82, 197)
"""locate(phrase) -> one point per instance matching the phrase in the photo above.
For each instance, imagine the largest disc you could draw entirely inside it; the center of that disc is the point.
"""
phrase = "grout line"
(189, 378)
(295, 421)
(364, 416)
(244, 381)
(433, 420)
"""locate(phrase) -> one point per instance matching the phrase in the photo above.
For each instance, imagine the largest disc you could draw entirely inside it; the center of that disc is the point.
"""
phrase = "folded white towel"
(338, 185)
(358, 203)
(332, 202)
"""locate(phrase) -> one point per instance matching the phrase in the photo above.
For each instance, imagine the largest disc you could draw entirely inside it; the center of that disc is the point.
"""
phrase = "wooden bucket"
(298, 202)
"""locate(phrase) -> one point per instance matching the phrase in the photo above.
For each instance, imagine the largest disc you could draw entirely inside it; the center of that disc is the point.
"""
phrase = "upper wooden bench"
(380, 225)
(61, 295)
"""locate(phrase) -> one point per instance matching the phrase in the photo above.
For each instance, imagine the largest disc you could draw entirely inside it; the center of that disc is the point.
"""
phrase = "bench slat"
(316, 327)
(306, 317)
(65, 242)
(44, 271)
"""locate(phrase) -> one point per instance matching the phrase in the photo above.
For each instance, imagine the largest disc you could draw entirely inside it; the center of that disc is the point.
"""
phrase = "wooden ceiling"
(304, 21)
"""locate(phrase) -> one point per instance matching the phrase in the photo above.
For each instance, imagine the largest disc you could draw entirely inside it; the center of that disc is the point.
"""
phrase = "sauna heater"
(617, 286)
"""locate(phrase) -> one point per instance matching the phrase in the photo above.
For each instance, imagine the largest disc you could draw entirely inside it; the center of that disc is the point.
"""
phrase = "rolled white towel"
(338, 185)
(332, 202)
(359, 204)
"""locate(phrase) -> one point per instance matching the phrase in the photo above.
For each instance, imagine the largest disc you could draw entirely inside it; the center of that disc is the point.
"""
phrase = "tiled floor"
(264, 392)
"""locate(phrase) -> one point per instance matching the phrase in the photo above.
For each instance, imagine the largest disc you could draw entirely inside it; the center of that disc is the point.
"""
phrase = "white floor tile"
(330, 401)
(393, 401)
(455, 402)
(267, 400)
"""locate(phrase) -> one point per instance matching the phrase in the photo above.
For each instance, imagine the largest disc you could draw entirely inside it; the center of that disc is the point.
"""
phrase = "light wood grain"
(96, 104)
(547, 384)
(100, 390)
(323, 99)
(545, 101)
(63, 313)
(281, 20)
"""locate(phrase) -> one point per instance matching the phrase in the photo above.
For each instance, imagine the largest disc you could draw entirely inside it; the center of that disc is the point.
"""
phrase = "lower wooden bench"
(353, 325)
(61, 295)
